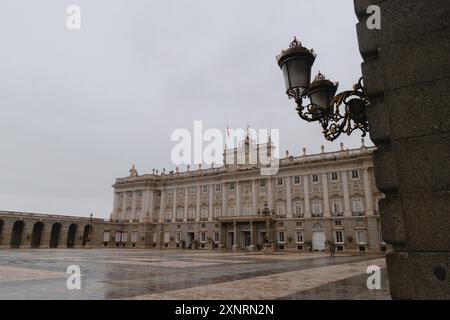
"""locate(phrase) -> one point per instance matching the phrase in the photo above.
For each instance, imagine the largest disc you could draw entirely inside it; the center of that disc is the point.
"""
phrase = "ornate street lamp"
(268, 214)
(341, 113)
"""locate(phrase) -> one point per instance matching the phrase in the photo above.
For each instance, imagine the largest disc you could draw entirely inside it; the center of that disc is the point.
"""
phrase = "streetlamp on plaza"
(268, 214)
(341, 113)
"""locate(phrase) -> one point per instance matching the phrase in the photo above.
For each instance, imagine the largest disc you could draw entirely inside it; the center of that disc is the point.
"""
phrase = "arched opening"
(54, 235)
(87, 234)
(71, 235)
(17, 233)
(1, 230)
(36, 236)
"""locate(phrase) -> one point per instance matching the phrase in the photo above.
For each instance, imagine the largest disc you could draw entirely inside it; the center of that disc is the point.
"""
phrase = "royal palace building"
(311, 202)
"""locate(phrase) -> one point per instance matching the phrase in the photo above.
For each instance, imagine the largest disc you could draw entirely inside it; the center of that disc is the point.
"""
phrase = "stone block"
(423, 163)
(419, 110)
(419, 275)
(392, 224)
(378, 114)
(384, 168)
(427, 220)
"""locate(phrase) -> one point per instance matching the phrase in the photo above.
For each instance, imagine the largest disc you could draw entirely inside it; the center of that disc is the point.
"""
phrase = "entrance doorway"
(71, 235)
(17, 232)
(230, 240)
(37, 234)
(54, 235)
(247, 240)
(190, 240)
(318, 241)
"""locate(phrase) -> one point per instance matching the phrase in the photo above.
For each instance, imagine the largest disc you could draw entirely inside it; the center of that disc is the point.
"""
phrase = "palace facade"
(311, 202)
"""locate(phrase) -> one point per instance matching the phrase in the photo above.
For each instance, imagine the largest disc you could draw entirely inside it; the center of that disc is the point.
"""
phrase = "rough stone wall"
(406, 75)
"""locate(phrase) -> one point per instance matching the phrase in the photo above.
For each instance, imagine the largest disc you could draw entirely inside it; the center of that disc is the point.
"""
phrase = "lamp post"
(341, 113)
(268, 215)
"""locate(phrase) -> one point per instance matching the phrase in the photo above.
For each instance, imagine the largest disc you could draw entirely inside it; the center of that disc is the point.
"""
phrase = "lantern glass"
(297, 75)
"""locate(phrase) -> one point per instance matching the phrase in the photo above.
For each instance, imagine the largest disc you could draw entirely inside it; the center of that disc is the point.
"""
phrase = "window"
(299, 224)
(181, 192)
(106, 236)
(232, 186)
(169, 192)
(218, 187)
(299, 236)
(280, 209)
(217, 211)
(358, 206)
(262, 183)
(154, 237)
(203, 237)
(134, 237)
(337, 223)
(280, 182)
(355, 174)
(192, 190)
(178, 237)
(191, 213)
(334, 176)
(247, 209)
(204, 212)
(280, 224)
(118, 236)
(298, 208)
(205, 189)
(180, 213)
(315, 178)
(166, 237)
(316, 207)
(231, 211)
(125, 237)
(360, 237)
(216, 236)
(296, 180)
(339, 237)
(336, 206)
(281, 236)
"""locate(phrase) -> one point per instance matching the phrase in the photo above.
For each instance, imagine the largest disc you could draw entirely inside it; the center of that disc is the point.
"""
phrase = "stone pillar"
(115, 206)
(197, 210)
(288, 198)
(270, 193)
(306, 196)
(162, 205)
(151, 204)
(235, 245)
(347, 211)
(211, 202)
(238, 199)
(186, 200)
(133, 206)
(368, 192)
(224, 200)
(405, 73)
(251, 247)
(326, 200)
(254, 198)
(174, 205)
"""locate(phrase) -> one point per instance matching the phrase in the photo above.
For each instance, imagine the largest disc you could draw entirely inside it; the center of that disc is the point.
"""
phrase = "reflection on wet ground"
(167, 274)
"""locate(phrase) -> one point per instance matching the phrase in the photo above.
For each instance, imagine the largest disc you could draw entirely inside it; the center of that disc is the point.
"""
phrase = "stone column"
(162, 205)
(306, 196)
(368, 192)
(238, 199)
(186, 200)
(254, 198)
(115, 206)
(270, 193)
(151, 204)
(235, 245)
(288, 198)
(174, 205)
(224, 200)
(251, 247)
(347, 211)
(133, 206)
(326, 200)
(197, 211)
(211, 202)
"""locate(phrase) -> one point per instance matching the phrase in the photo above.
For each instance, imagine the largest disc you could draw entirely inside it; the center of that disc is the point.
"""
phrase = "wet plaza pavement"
(185, 274)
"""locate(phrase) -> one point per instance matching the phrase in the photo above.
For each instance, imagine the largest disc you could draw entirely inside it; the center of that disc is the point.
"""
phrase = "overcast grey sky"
(77, 108)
